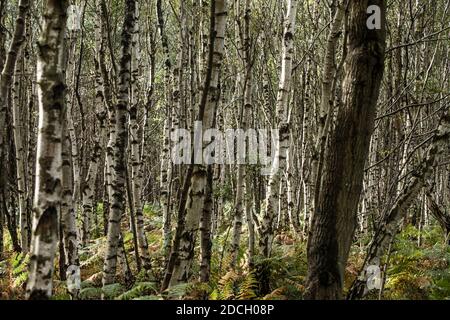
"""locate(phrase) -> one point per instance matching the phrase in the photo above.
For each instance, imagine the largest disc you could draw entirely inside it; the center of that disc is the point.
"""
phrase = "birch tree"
(388, 227)
(68, 219)
(137, 140)
(282, 110)
(116, 197)
(47, 200)
(207, 111)
(6, 81)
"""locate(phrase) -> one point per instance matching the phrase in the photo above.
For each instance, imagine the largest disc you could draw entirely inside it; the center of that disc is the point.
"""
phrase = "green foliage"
(226, 286)
(419, 272)
(91, 257)
(439, 270)
(139, 290)
(128, 241)
(19, 269)
(198, 291)
(150, 297)
(248, 288)
(153, 216)
(224, 191)
(178, 291)
(284, 273)
(99, 208)
(286, 269)
(414, 272)
(91, 293)
(404, 285)
(236, 286)
(146, 276)
(187, 291)
(60, 291)
(61, 296)
(7, 241)
(150, 211)
(440, 289)
(112, 291)
(86, 284)
(20, 279)
(97, 231)
(154, 237)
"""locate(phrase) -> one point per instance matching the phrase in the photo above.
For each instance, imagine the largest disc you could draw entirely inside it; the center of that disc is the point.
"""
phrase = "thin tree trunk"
(18, 130)
(87, 193)
(281, 148)
(245, 110)
(2, 122)
(196, 199)
(6, 81)
(136, 140)
(388, 227)
(166, 166)
(439, 213)
(118, 165)
(68, 221)
(205, 231)
(109, 135)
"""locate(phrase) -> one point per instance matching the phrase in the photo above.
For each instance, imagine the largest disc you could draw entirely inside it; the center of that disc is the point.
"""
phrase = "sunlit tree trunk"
(166, 166)
(88, 186)
(19, 130)
(136, 140)
(47, 198)
(119, 148)
(245, 110)
(196, 195)
(68, 220)
(279, 166)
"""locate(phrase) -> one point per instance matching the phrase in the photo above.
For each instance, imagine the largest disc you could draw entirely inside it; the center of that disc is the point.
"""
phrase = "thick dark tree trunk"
(334, 220)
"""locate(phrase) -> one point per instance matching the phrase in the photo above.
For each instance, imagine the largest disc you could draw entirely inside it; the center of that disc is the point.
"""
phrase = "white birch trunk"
(281, 149)
(196, 198)
(119, 147)
(47, 198)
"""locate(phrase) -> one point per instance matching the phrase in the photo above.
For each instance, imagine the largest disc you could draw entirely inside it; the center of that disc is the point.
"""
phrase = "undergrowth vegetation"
(418, 267)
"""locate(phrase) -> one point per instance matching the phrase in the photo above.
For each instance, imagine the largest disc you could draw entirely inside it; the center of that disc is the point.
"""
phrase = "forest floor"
(414, 272)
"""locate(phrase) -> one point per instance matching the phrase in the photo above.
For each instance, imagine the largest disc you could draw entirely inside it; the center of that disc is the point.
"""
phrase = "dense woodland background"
(91, 205)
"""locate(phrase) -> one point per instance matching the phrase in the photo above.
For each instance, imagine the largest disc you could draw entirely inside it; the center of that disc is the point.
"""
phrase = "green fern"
(178, 291)
(113, 290)
(90, 293)
(225, 287)
(150, 297)
(248, 288)
(19, 263)
(139, 290)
